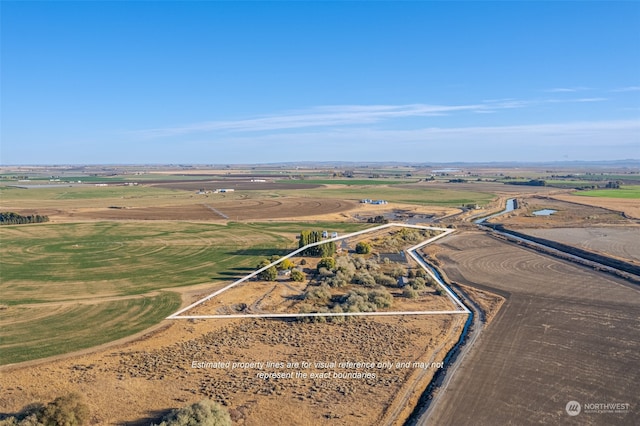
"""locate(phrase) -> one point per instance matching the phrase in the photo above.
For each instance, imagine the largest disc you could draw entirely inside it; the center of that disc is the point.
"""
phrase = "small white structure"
(226, 190)
(334, 235)
(325, 234)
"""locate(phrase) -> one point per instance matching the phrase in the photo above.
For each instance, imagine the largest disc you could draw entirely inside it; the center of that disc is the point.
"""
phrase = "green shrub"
(202, 413)
(297, 275)
(418, 283)
(409, 293)
(328, 263)
(68, 410)
(363, 248)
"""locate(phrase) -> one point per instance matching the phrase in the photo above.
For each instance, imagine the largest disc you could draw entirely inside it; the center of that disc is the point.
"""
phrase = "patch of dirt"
(146, 377)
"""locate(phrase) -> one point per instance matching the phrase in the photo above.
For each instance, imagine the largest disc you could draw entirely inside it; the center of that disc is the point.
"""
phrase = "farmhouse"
(226, 190)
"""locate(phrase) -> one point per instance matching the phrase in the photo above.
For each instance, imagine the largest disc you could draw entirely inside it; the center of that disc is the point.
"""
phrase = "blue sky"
(249, 82)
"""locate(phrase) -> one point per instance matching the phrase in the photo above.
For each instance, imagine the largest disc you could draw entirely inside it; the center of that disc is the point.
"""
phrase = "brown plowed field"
(281, 208)
(630, 207)
(492, 187)
(245, 185)
(622, 243)
(248, 209)
(185, 212)
(564, 333)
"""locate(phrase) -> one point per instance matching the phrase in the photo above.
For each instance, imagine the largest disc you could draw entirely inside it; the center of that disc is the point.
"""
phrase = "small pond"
(545, 212)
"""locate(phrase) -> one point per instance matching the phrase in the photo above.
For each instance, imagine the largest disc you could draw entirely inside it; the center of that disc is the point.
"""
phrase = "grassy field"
(349, 181)
(629, 192)
(58, 262)
(58, 194)
(54, 276)
(405, 194)
(142, 196)
(28, 332)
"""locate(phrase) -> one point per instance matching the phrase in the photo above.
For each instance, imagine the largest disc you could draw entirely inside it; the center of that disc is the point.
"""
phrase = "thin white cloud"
(344, 115)
(590, 100)
(323, 116)
(612, 139)
(567, 89)
(627, 89)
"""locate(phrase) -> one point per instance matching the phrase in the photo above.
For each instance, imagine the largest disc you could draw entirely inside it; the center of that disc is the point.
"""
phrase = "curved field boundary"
(411, 251)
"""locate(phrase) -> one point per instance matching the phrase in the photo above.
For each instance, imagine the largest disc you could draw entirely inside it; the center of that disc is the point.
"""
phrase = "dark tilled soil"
(565, 333)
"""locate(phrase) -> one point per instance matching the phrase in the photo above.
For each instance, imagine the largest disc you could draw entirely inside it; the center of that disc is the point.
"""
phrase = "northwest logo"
(573, 408)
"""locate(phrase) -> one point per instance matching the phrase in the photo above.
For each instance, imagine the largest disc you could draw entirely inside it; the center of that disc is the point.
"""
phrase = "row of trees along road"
(10, 218)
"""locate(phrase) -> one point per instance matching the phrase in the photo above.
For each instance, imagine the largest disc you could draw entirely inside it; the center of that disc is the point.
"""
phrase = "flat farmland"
(630, 192)
(622, 243)
(490, 187)
(56, 262)
(72, 286)
(406, 194)
(222, 209)
(244, 184)
(568, 214)
(158, 371)
(30, 332)
(630, 206)
(564, 333)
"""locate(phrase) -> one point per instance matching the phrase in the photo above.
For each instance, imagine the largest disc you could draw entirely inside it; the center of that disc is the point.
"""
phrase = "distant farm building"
(258, 180)
(226, 190)
(325, 234)
(369, 201)
(334, 235)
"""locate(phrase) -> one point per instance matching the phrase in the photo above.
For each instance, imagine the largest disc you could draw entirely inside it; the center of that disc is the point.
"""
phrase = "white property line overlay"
(411, 251)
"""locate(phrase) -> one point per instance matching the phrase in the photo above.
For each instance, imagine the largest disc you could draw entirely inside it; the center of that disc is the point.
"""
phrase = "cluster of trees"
(271, 273)
(10, 218)
(356, 300)
(367, 273)
(532, 182)
(68, 410)
(202, 413)
(614, 185)
(378, 219)
(323, 250)
(398, 240)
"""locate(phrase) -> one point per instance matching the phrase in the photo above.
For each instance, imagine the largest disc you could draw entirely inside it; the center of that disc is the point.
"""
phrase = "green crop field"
(55, 277)
(348, 181)
(405, 194)
(630, 192)
(43, 263)
(83, 192)
(32, 332)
